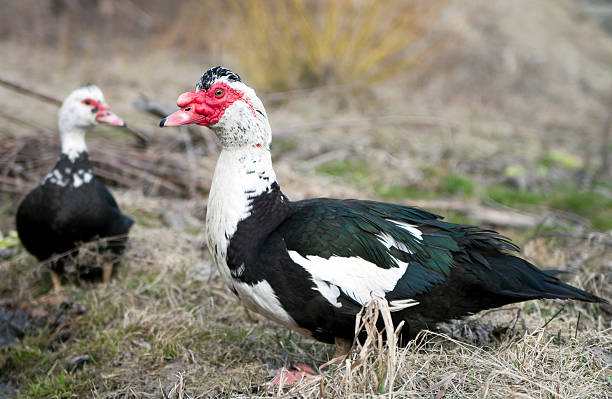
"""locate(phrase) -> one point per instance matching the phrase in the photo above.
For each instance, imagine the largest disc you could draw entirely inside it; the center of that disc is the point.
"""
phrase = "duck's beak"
(183, 116)
(105, 115)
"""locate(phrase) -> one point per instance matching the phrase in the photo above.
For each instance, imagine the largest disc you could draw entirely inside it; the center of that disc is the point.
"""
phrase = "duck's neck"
(73, 142)
(241, 175)
(245, 202)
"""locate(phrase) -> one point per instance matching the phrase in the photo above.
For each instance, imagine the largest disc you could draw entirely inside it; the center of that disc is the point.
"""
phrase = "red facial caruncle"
(203, 107)
(103, 113)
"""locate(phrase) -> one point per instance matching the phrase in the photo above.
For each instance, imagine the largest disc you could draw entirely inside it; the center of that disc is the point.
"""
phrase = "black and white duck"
(70, 206)
(311, 265)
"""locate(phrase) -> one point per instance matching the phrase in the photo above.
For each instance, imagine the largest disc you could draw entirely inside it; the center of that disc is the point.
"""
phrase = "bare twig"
(417, 120)
(29, 92)
(26, 123)
(482, 214)
(143, 139)
(600, 239)
(283, 95)
(553, 317)
(25, 159)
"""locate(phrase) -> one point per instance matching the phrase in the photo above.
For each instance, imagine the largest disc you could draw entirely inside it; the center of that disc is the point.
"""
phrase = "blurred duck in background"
(70, 206)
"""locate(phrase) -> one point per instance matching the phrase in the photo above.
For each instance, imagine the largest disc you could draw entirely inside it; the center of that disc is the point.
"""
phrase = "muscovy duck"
(311, 265)
(70, 206)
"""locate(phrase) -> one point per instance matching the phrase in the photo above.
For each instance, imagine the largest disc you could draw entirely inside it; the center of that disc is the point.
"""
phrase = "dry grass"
(536, 364)
(167, 322)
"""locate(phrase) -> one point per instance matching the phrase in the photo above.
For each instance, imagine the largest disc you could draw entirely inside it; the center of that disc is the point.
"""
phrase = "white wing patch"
(388, 241)
(412, 229)
(356, 277)
(329, 291)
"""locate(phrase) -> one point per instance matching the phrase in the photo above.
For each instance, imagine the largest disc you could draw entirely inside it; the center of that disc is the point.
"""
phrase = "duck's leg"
(107, 271)
(343, 346)
(300, 372)
(292, 375)
(341, 350)
(57, 282)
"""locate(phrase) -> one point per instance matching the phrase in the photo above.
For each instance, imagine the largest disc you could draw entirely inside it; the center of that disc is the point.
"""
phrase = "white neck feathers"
(73, 143)
(240, 174)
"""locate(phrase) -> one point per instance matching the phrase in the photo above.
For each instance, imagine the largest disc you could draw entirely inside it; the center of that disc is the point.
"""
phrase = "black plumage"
(56, 216)
(213, 74)
(453, 271)
(312, 265)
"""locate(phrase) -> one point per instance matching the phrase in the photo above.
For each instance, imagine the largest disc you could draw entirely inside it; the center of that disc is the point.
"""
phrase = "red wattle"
(205, 108)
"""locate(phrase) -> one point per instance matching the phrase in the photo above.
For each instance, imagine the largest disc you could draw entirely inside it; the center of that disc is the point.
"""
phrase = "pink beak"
(105, 115)
(183, 116)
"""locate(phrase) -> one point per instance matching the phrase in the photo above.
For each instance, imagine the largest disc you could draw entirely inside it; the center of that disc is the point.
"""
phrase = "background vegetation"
(496, 113)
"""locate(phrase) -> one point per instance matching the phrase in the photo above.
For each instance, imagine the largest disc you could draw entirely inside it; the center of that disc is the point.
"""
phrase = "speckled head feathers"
(213, 74)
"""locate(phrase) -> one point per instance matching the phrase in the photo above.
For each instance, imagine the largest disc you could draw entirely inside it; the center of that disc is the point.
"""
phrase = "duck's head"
(222, 102)
(86, 107)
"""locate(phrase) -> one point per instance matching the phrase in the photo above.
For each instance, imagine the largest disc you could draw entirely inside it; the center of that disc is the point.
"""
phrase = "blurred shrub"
(10, 240)
(289, 44)
(561, 158)
(277, 45)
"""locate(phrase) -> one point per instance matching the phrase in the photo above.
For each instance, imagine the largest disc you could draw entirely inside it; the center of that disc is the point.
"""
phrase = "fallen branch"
(601, 239)
(29, 92)
(143, 139)
(25, 123)
(24, 160)
(153, 106)
(481, 214)
(284, 95)
(416, 120)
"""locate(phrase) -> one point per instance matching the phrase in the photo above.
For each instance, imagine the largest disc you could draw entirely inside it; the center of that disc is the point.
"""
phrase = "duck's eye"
(219, 93)
(87, 102)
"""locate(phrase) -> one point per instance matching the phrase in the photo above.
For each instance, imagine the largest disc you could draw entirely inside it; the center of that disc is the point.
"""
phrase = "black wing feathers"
(52, 219)
(437, 257)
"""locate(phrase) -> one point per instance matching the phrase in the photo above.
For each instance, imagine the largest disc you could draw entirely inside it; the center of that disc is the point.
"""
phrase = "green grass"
(457, 185)
(355, 171)
(62, 385)
(389, 192)
(513, 197)
(590, 205)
